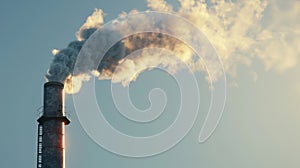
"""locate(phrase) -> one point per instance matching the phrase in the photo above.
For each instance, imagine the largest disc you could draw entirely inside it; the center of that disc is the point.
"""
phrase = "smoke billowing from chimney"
(234, 29)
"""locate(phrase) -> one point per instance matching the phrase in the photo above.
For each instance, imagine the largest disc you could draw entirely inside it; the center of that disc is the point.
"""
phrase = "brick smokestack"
(51, 152)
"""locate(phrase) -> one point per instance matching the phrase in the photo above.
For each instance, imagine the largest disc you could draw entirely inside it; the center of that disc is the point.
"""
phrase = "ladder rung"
(39, 146)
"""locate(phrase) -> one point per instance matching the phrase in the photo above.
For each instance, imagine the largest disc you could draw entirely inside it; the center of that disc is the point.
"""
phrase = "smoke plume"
(241, 32)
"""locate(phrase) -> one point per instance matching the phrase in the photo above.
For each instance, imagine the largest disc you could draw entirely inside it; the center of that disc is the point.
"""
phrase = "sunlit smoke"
(238, 30)
(245, 30)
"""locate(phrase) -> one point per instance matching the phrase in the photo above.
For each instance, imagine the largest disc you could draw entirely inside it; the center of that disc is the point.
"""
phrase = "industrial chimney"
(50, 148)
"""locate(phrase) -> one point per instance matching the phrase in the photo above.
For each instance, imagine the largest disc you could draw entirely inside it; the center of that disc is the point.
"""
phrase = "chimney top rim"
(54, 83)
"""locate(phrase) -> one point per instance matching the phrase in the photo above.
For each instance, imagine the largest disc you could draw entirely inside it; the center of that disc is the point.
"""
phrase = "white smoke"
(245, 30)
(240, 31)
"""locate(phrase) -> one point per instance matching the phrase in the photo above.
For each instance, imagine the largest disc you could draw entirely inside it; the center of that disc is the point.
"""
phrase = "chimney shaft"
(51, 127)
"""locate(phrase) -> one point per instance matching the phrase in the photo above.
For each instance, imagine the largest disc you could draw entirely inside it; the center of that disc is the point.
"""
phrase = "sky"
(261, 121)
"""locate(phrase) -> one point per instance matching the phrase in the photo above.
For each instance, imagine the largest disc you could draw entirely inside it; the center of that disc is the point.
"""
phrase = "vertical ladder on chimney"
(39, 147)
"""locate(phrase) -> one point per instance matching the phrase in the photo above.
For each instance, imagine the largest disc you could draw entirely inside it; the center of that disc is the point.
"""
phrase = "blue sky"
(259, 128)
